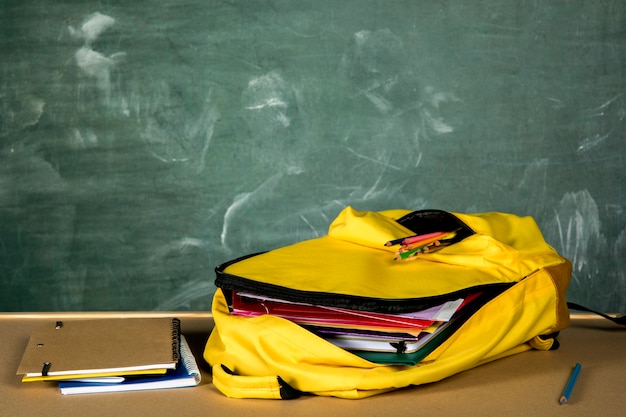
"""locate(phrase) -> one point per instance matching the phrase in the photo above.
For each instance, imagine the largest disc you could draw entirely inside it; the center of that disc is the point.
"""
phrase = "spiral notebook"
(187, 374)
(101, 347)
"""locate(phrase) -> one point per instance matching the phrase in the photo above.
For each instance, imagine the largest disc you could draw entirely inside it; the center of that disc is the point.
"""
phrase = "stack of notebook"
(107, 355)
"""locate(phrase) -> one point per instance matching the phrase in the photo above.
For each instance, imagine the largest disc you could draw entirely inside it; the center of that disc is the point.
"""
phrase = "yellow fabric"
(354, 250)
(367, 228)
(234, 386)
(259, 349)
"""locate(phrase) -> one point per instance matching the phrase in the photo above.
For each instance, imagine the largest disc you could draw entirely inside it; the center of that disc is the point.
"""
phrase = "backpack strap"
(618, 319)
(238, 386)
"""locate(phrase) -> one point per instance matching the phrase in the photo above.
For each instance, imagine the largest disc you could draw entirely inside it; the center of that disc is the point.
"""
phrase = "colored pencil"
(429, 237)
(415, 238)
(570, 385)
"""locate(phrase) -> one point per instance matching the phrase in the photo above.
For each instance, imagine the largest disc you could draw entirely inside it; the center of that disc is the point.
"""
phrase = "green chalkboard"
(142, 143)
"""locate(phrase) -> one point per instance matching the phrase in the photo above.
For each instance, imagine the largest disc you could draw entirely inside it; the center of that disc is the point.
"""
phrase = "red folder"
(322, 315)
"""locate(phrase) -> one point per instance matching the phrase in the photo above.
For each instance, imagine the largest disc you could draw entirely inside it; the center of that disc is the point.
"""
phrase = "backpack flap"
(352, 268)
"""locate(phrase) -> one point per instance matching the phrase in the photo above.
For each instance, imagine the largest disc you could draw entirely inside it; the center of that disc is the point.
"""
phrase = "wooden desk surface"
(528, 384)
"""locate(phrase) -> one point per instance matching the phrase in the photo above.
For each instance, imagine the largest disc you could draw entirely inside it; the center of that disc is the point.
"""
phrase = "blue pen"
(570, 384)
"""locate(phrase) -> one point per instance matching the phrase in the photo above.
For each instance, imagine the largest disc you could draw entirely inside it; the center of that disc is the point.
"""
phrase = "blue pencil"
(570, 384)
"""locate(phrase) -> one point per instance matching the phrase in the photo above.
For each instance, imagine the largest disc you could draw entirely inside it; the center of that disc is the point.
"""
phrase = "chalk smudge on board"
(269, 93)
(600, 119)
(239, 200)
(382, 159)
(95, 24)
(175, 133)
(581, 241)
(195, 291)
(436, 123)
(19, 111)
(241, 203)
(602, 109)
(94, 64)
(578, 224)
(592, 142)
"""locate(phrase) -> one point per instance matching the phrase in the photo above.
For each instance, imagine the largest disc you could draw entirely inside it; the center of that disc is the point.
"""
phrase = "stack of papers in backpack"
(398, 339)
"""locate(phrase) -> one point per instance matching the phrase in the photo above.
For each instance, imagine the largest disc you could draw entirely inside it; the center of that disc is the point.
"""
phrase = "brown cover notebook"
(101, 347)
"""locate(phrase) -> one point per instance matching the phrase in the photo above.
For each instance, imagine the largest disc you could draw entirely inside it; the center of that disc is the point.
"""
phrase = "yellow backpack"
(503, 257)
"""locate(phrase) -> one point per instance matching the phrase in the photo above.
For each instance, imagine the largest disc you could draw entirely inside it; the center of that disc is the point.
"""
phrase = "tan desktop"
(527, 384)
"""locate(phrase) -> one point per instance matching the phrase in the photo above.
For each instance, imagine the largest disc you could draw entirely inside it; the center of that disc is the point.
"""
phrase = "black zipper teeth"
(383, 305)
